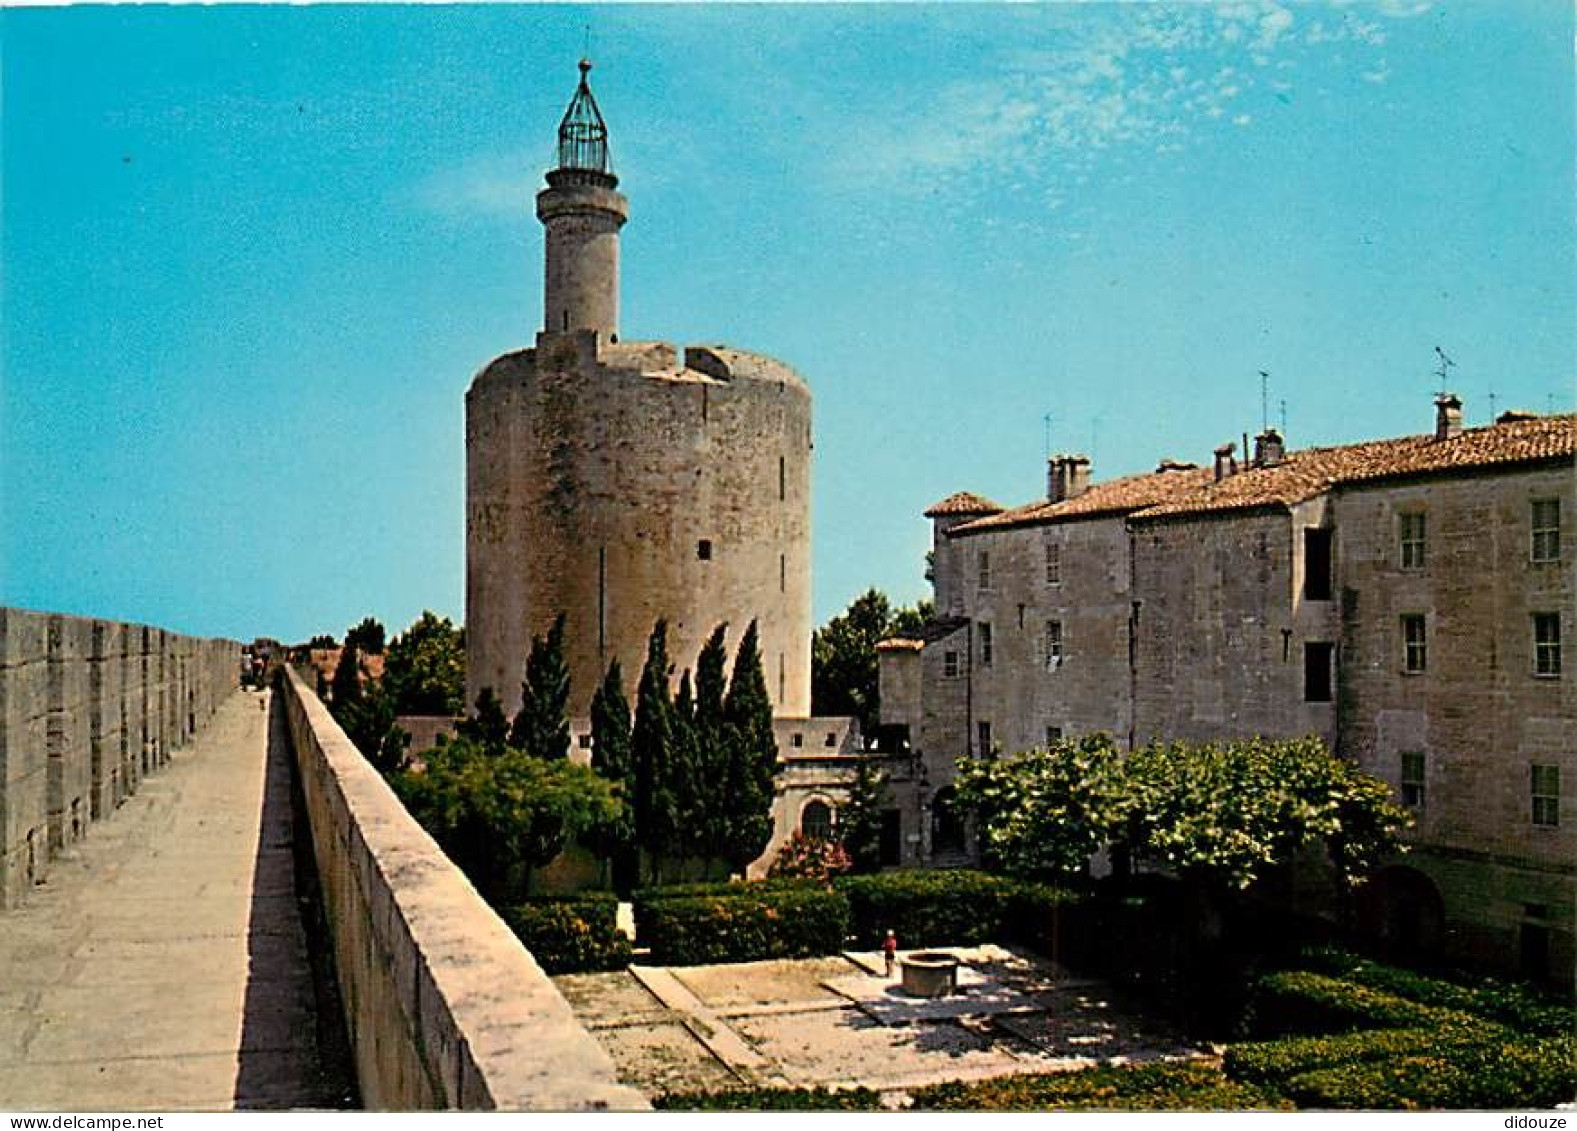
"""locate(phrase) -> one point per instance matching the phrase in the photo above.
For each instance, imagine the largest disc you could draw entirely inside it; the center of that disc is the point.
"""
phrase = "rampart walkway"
(164, 965)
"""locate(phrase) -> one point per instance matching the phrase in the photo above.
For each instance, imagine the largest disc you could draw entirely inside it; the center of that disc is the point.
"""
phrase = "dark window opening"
(1317, 672)
(1413, 788)
(703, 550)
(1316, 564)
(782, 479)
(832, 738)
(815, 820)
(796, 740)
(983, 738)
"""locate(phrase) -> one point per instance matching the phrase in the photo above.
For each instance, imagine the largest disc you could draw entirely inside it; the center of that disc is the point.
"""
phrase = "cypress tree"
(346, 686)
(611, 758)
(651, 747)
(753, 755)
(541, 727)
(487, 727)
(711, 741)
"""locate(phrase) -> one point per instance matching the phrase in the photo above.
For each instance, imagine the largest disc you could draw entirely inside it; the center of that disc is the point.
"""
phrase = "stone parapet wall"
(444, 1007)
(88, 708)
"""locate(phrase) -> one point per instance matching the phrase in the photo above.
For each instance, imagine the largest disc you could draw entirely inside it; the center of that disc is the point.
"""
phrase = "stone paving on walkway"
(164, 965)
(840, 1022)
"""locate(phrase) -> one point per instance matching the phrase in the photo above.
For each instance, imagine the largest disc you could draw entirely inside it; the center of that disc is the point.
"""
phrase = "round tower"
(619, 482)
(582, 211)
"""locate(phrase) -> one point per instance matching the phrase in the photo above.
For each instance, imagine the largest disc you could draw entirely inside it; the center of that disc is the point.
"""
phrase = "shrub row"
(1520, 1006)
(772, 1099)
(1165, 1086)
(742, 923)
(932, 908)
(1272, 1062)
(571, 934)
(1496, 1075)
(1303, 1002)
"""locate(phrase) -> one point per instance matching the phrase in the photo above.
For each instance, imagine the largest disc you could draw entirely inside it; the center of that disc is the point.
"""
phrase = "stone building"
(620, 482)
(1404, 599)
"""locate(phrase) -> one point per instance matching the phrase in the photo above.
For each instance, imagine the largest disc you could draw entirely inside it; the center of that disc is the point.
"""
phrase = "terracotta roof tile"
(1114, 496)
(962, 503)
(1301, 475)
(1304, 474)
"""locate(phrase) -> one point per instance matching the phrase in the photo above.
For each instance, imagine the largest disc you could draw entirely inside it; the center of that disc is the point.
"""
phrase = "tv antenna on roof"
(1046, 420)
(1446, 365)
(1264, 401)
(1283, 417)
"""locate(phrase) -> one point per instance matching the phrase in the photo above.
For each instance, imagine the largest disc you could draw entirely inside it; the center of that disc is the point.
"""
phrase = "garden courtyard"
(839, 1022)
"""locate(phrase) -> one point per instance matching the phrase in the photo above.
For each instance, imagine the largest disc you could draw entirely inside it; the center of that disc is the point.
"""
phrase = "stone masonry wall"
(1478, 713)
(594, 476)
(87, 709)
(444, 1007)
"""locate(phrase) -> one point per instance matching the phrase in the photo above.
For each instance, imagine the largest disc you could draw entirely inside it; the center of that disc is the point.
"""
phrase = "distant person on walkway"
(890, 952)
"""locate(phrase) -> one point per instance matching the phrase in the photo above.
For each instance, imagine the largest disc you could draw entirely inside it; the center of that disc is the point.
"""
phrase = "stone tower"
(619, 482)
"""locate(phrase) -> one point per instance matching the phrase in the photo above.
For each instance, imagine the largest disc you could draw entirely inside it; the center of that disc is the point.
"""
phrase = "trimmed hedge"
(1273, 1062)
(1165, 1086)
(1496, 1075)
(571, 934)
(1305, 1003)
(772, 1099)
(742, 923)
(1520, 1006)
(947, 908)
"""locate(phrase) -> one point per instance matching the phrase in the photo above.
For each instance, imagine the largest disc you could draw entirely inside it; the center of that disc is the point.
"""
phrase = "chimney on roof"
(1268, 448)
(1448, 416)
(1169, 464)
(1514, 416)
(1067, 477)
(1225, 463)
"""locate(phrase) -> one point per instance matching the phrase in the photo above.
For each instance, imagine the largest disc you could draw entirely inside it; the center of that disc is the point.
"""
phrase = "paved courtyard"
(840, 1022)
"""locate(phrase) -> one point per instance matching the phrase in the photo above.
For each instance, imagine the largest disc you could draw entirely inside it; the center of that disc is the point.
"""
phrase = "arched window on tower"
(815, 820)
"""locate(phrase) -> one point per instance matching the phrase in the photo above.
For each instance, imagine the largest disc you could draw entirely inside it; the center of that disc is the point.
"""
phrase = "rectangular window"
(1546, 530)
(984, 561)
(985, 645)
(1317, 672)
(1546, 795)
(983, 734)
(782, 479)
(1053, 564)
(1316, 564)
(585, 742)
(703, 549)
(1547, 644)
(1413, 779)
(1412, 541)
(1053, 736)
(782, 573)
(950, 665)
(1053, 645)
(1415, 653)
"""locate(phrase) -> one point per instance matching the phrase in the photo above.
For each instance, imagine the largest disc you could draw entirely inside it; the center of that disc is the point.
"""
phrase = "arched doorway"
(1400, 911)
(947, 823)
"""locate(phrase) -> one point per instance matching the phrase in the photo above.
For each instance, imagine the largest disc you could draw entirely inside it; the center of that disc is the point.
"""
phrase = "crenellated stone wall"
(88, 708)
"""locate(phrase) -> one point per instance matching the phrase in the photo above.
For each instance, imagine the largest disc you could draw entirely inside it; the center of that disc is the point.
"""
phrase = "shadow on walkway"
(294, 1051)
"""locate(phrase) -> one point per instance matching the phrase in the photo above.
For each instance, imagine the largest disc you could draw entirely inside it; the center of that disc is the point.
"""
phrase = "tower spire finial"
(583, 135)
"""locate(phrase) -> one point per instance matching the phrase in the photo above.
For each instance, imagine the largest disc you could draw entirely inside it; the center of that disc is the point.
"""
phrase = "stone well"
(929, 973)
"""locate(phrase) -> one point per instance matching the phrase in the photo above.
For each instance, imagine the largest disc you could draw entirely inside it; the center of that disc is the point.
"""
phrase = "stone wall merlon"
(445, 1007)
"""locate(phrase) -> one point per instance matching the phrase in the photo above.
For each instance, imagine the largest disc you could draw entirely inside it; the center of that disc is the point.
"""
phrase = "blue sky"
(254, 255)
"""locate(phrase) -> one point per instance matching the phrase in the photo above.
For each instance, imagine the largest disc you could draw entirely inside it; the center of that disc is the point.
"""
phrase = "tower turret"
(582, 211)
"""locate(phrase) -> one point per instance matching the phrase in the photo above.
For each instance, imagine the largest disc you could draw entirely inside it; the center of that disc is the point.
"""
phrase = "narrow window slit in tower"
(703, 550)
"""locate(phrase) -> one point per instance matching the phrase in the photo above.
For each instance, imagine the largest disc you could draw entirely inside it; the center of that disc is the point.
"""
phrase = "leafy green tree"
(367, 637)
(488, 727)
(1219, 815)
(424, 668)
(499, 814)
(1043, 813)
(611, 758)
(843, 665)
(369, 723)
(657, 810)
(541, 727)
(752, 755)
(712, 746)
(860, 820)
